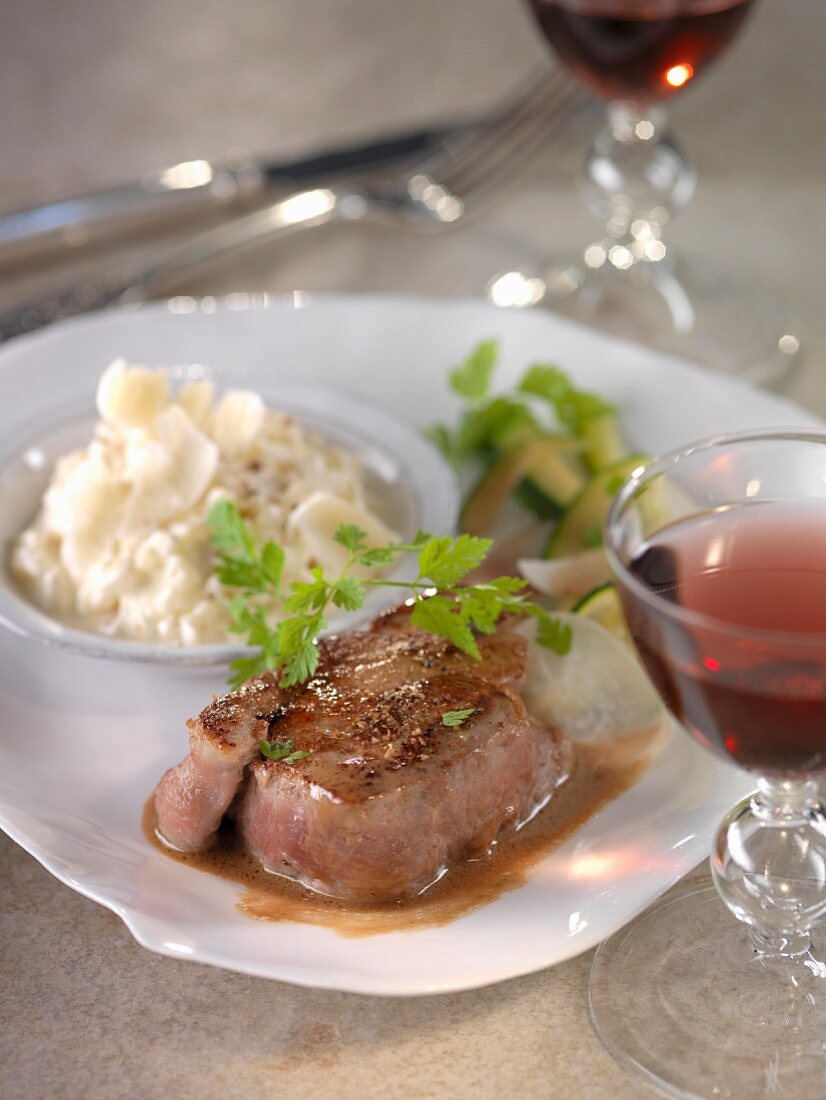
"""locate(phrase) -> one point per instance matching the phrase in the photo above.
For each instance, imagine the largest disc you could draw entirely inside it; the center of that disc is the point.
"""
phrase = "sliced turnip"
(596, 693)
(566, 578)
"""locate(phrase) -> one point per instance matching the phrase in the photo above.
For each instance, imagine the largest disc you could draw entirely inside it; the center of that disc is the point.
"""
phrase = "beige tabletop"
(96, 91)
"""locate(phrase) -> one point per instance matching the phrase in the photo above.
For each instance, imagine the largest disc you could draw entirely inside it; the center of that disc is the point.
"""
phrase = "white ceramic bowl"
(410, 485)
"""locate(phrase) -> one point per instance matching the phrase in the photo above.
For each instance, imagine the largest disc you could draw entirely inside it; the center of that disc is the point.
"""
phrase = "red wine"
(639, 49)
(749, 681)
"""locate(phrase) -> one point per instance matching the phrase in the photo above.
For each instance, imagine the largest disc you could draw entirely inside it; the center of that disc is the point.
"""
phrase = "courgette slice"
(533, 500)
(516, 436)
(551, 484)
(581, 526)
(603, 441)
(545, 463)
(602, 605)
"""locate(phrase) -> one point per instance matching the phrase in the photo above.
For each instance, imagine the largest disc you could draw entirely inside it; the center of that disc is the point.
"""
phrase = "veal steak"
(389, 796)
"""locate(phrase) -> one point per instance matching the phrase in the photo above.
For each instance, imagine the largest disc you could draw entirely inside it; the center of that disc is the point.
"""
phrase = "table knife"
(192, 186)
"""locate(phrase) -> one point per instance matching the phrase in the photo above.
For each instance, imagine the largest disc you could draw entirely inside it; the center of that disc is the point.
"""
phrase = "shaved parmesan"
(236, 421)
(317, 519)
(131, 397)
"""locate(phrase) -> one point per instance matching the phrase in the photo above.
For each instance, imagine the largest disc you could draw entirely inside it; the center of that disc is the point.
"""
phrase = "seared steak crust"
(379, 698)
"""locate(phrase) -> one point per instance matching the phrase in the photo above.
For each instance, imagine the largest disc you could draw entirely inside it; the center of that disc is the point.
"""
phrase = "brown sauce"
(600, 773)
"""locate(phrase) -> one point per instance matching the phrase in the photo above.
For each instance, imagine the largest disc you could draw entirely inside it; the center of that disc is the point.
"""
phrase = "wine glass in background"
(719, 552)
(635, 54)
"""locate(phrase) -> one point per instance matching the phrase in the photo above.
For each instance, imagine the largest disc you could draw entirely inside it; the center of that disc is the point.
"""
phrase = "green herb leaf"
(481, 609)
(444, 616)
(454, 718)
(300, 666)
(582, 408)
(348, 593)
(240, 564)
(573, 407)
(350, 537)
(378, 555)
(505, 586)
(471, 379)
(491, 424)
(483, 604)
(553, 634)
(248, 619)
(299, 755)
(306, 596)
(297, 647)
(235, 573)
(230, 535)
(272, 563)
(445, 560)
(281, 750)
(549, 383)
(445, 440)
(244, 668)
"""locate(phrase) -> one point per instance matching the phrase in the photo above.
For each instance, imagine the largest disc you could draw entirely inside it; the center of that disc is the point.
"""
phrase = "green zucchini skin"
(583, 602)
(545, 471)
(604, 445)
(587, 512)
(533, 500)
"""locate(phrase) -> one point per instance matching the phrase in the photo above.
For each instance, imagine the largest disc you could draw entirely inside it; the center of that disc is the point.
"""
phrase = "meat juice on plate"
(638, 49)
(749, 681)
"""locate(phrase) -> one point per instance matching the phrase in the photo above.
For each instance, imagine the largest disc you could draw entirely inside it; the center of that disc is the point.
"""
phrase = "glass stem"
(636, 179)
(769, 865)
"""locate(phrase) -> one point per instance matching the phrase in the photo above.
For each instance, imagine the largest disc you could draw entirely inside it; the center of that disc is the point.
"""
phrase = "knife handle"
(197, 185)
(181, 189)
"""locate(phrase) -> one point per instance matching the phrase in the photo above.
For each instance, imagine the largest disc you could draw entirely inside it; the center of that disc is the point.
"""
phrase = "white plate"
(83, 741)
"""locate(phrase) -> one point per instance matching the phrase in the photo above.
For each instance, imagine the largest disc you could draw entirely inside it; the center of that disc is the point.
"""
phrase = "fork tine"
(512, 145)
(464, 149)
(515, 133)
(469, 141)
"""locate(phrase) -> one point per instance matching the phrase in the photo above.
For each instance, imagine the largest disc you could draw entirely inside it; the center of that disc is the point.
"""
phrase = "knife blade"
(194, 186)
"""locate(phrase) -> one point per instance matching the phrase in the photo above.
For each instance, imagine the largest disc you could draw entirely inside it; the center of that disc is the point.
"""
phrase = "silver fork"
(464, 172)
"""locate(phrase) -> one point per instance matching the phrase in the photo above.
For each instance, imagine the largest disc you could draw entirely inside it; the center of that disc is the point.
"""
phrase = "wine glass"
(635, 54)
(719, 554)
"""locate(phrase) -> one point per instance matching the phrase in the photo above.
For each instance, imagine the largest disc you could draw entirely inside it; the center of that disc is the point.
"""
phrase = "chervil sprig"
(240, 563)
(443, 605)
(574, 408)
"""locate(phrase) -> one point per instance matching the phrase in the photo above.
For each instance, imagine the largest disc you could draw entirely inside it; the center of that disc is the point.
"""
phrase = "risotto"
(121, 546)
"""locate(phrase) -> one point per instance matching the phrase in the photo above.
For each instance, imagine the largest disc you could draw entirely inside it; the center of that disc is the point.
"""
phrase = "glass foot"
(682, 997)
(693, 309)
